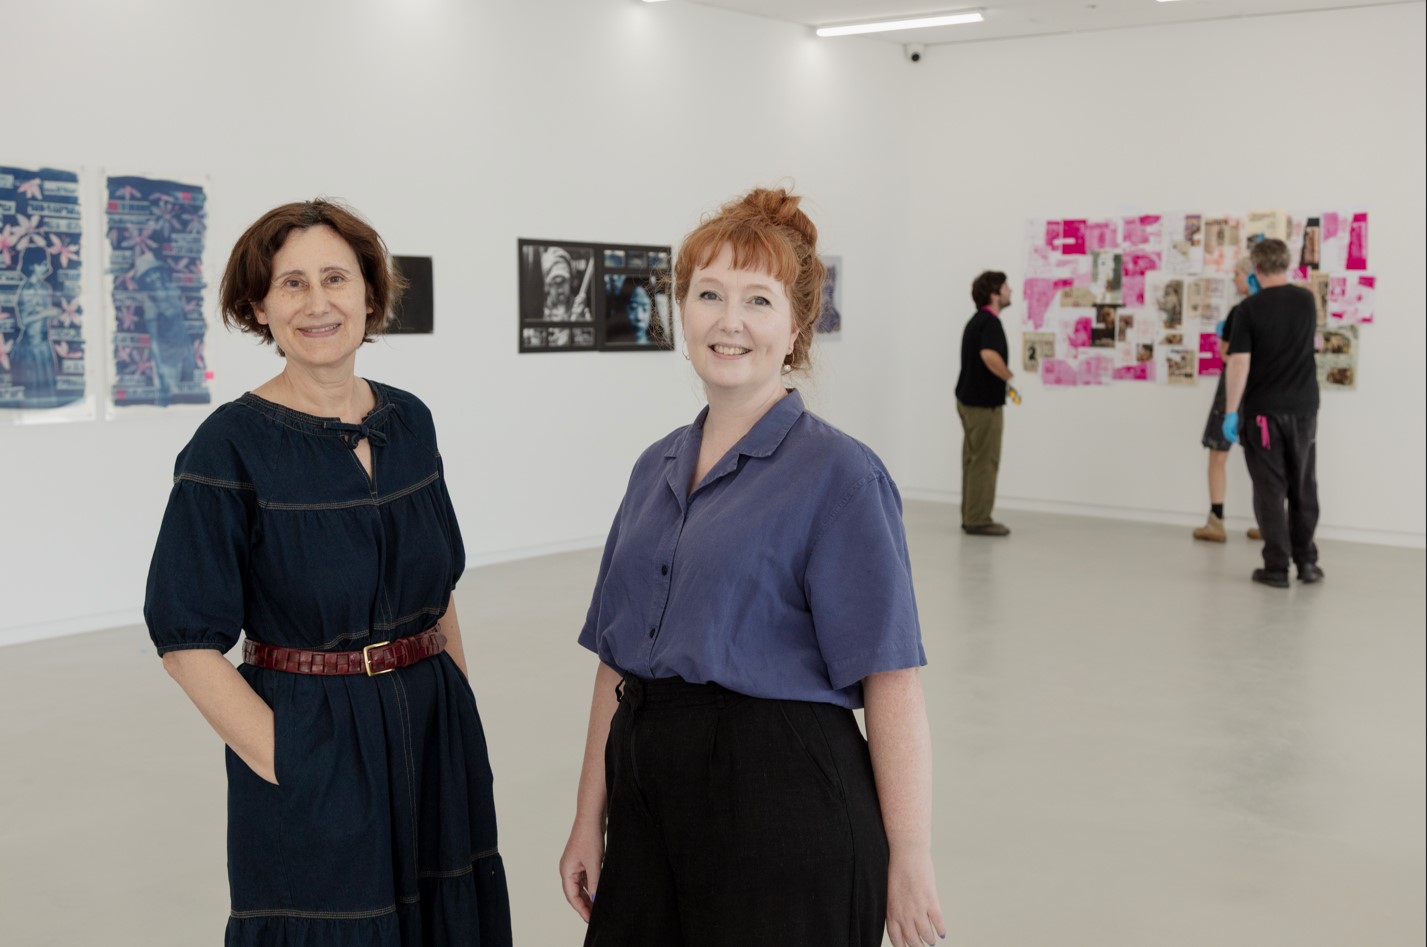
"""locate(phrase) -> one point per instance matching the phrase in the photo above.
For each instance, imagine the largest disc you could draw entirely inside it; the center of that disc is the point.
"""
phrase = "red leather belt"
(380, 658)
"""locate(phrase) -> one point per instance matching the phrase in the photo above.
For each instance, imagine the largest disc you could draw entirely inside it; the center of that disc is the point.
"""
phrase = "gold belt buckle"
(367, 659)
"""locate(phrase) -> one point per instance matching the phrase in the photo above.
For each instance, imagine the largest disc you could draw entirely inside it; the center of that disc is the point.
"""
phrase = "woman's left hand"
(913, 909)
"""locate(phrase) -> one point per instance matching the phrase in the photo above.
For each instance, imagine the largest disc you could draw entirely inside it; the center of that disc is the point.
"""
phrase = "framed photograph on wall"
(558, 283)
(634, 312)
(582, 297)
(415, 313)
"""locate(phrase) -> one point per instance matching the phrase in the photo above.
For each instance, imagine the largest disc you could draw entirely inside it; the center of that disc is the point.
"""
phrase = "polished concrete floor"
(1135, 747)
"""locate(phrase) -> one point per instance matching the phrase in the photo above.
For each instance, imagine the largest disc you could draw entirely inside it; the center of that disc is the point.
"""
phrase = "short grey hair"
(1271, 256)
(1244, 265)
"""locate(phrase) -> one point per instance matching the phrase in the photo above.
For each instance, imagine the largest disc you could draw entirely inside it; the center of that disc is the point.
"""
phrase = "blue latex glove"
(1219, 329)
(1231, 427)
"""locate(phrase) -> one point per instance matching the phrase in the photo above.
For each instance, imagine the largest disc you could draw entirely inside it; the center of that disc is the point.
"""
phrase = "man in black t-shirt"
(980, 400)
(1273, 381)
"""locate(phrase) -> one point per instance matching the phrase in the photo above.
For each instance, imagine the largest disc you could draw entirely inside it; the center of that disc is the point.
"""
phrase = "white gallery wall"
(457, 127)
(1294, 112)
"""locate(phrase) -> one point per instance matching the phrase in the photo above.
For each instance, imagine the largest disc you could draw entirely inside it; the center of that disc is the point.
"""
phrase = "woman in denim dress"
(312, 515)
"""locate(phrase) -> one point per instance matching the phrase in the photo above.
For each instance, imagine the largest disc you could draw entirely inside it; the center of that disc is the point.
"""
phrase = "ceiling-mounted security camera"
(914, 51)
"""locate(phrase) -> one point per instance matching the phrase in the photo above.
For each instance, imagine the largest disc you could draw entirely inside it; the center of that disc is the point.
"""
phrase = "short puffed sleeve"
(453, 528)
(195, 588)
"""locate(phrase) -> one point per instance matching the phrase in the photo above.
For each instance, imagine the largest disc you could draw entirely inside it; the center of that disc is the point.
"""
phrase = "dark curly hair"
(986, 286)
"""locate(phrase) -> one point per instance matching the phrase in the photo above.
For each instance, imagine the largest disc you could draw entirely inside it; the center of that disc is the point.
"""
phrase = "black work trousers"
(1281, 451)
(736, 821)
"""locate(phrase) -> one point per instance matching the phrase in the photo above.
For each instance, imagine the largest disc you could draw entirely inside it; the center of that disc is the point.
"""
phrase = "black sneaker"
(1278, 580)
(1310, 573)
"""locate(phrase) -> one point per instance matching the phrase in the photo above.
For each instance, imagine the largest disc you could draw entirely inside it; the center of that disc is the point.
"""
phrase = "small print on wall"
(1036, 346)
(154, 242)
(42, 350)
(415, 313)
(829, 324)
(556, 280)
(1337, 358)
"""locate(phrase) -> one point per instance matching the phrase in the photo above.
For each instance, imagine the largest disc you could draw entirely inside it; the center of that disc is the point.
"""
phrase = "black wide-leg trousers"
(1281, 451)
(736, 821)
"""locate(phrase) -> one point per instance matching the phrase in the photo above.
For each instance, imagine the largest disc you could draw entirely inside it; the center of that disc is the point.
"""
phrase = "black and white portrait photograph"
(557, 285)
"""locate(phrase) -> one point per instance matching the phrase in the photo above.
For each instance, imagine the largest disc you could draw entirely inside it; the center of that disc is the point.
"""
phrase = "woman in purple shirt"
(754, 590)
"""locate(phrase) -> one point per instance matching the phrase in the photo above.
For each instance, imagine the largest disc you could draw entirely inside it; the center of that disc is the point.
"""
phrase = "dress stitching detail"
(264, 406)
(216, 482)
(453, 873)
(378, 626)
(405, 708)
(349, 504)
(318, 915)
(458, 872)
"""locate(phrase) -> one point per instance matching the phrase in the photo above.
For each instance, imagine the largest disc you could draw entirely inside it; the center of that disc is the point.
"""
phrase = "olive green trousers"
(980, 461)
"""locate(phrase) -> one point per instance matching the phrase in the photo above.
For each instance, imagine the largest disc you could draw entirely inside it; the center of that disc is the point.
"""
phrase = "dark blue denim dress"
(381, 830)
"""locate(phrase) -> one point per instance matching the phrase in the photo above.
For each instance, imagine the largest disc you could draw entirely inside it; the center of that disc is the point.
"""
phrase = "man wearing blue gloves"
(1273, 381)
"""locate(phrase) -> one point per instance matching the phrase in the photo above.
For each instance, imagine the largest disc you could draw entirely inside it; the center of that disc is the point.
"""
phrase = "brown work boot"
(987, 529)
(1254, 533)
(1212, 531)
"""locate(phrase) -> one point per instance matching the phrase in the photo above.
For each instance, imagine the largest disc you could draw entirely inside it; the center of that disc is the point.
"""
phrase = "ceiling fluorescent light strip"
(883, 26)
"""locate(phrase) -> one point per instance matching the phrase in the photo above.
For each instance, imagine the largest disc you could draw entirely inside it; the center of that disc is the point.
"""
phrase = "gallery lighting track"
(912, 23)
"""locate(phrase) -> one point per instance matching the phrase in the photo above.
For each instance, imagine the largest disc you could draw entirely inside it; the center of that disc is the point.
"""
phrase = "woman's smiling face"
(316, 306)
(738, 325)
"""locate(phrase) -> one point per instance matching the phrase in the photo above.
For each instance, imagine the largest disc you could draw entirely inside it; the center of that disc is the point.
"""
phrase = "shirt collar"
(761, 441)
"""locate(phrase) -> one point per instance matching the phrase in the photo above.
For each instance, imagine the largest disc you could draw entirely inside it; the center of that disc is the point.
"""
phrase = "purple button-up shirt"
(784, 575)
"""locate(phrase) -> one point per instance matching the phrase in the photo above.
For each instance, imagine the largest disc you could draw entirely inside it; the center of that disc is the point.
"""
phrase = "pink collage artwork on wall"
(1141, 298)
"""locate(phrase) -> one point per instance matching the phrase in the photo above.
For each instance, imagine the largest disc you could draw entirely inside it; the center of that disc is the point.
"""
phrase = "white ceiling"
(1018, 18)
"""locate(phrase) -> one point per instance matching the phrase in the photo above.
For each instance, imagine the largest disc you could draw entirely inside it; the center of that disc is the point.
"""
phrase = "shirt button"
(651, 632)
(663, 570)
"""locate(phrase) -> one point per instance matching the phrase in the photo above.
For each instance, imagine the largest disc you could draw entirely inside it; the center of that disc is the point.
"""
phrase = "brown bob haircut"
(250, 267)
(764, 230)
